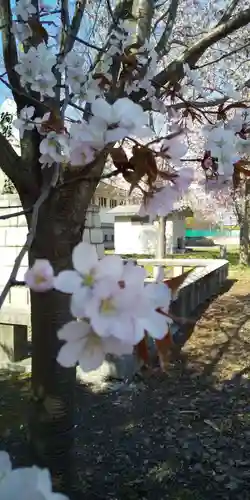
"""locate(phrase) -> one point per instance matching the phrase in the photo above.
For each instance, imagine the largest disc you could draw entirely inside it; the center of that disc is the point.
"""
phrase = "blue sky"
(4, 91)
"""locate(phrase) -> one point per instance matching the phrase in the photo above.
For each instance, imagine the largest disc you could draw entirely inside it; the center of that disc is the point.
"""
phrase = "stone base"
(13, 342)
(113, 368)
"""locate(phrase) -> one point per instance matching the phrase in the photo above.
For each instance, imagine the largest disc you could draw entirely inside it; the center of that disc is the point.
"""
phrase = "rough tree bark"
(60, 227)
(244, 222)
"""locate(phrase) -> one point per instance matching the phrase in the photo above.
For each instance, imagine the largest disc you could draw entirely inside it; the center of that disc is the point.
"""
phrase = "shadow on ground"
(184, 435)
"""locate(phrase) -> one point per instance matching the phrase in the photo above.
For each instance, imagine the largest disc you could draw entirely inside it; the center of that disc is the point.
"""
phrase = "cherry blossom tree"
(116, 65)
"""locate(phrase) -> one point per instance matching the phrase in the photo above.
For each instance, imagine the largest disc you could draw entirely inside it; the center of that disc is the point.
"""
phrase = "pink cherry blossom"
(40, 277)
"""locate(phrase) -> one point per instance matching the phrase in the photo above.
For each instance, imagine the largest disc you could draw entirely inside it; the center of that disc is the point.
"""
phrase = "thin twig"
(28, 96)
(18, 283)
(88, 44)
(16, 214)
(30, 236)
(111, 12)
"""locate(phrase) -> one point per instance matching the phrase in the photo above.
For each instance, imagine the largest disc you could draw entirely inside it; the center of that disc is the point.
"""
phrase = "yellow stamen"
(39, 279)
(88, 280)
(107, 306)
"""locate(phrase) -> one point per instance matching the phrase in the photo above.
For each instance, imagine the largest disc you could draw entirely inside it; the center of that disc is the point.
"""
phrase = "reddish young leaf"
(177, 281)
(163, 347)
(144, 164)
(54, 123)
(104, 81)
(142, 351)
(119, 158)
(39, 33)
(239, 167)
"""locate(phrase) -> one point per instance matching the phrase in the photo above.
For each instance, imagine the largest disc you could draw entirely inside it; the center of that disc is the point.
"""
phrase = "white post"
(161, 239)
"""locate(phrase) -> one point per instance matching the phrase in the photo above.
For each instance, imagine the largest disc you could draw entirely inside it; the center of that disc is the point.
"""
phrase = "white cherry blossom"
(24, 121)
(220, 140)
(81, 153)
(21, 30)
(175, 149)
(5, 464)
(162, 202)
(88, 271)
(24, 9)
(56, 146)
(91, 132)
(28, 482)
(82, 345)
(127, 312)
(127, 117)
(35, 69)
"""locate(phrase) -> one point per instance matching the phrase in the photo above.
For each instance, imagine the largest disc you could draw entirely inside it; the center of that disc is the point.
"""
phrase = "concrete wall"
(13, 234)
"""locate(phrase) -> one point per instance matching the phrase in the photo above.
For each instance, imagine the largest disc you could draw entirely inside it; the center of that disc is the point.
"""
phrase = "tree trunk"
(244, 243)
(244, 221)
(59, 229)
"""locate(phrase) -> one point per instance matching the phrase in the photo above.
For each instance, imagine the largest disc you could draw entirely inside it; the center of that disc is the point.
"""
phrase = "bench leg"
(13, 342)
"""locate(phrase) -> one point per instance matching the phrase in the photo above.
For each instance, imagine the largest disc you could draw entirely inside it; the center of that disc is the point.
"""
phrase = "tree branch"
(174, 72)
(110, 11)
(15, 214)
(16, 170)
(224, 56)
(143, 11)
(9, 45)
(228, 12)
(172, 13)
(73, 29)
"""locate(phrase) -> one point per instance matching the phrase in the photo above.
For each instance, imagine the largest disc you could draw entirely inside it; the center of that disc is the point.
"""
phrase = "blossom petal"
(79, 302)
(112, 345)
(102, 109)
(5, 463)
(116, 134)
(92, 356)
(84, 257)
(156, 325)
(159, 294)
(134, 275)
(20, 483)
(73, 331)
(111, 266)
(129, 113)
(69, 353)
(68, 281)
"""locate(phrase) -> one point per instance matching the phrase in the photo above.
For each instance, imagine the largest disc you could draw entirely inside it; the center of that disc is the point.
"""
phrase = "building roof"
(130, 210)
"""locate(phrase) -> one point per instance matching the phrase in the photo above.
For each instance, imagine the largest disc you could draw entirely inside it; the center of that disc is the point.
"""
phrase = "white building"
(137, 235)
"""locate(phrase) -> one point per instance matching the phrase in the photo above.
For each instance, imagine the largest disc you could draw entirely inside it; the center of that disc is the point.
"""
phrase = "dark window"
(139, 220)
(102, 202)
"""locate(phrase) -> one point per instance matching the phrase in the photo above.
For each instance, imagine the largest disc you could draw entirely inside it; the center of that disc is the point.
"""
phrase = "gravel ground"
(184, 435)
